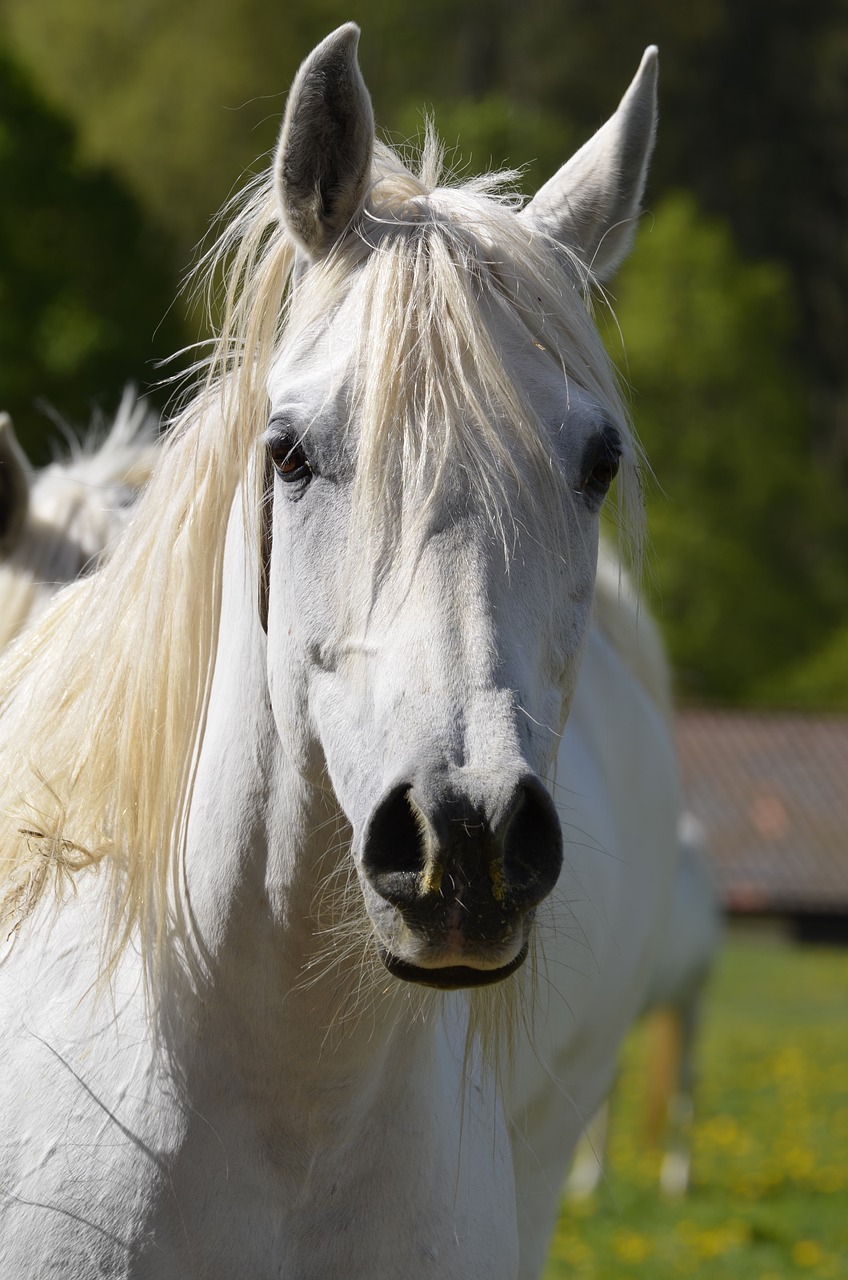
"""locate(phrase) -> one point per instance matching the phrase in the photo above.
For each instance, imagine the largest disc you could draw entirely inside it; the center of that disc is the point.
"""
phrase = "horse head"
(439, 446)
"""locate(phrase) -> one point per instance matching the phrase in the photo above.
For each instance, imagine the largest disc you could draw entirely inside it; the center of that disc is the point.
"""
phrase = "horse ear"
(14, 486)
(323, 161)
(592, 203)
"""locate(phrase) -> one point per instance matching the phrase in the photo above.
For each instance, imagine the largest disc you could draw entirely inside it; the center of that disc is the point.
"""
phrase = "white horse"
(275, 836)
(56, 522)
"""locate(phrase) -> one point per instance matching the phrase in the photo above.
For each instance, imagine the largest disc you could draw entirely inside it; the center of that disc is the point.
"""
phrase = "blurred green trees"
(747, 523)
(85, 281)
(734, 308)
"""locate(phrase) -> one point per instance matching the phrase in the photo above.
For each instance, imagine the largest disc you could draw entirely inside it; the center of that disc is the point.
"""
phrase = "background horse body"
(294, 769)
(688, 947)
(55, 523)
(688, 942)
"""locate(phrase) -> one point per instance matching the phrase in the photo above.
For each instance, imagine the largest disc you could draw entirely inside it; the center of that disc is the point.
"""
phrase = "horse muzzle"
(452, 879)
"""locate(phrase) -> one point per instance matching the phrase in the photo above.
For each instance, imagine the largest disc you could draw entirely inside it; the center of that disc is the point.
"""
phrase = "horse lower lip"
(452, 977)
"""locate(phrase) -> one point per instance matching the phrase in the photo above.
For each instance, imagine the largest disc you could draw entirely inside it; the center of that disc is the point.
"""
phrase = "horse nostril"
(394, 849)
(532, 844)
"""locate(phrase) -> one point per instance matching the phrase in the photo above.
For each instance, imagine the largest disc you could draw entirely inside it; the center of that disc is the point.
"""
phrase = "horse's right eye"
(289, 458)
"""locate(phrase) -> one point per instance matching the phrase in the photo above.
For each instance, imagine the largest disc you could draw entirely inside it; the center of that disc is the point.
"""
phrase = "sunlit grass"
(769, 1197)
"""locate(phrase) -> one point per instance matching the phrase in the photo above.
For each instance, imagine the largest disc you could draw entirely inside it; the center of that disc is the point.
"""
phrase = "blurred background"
(125, 126)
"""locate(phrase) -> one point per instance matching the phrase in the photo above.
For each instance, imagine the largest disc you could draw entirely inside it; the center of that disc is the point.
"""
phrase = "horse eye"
(601, 471)
(602, 474)
(290, 460)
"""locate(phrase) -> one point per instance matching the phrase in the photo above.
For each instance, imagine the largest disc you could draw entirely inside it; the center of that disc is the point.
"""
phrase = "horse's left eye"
(290, 460)
(601, 468)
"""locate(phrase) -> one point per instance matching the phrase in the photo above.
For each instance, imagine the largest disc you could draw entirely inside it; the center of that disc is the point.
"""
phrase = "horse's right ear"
(14, 486)
(323, 161)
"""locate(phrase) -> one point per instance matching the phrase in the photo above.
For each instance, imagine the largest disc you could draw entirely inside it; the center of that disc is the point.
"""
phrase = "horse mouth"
(450, 977)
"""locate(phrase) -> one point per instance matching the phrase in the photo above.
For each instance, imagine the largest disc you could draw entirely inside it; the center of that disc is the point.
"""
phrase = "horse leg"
(677, 1158)
(587, 1169)
(664, 1043)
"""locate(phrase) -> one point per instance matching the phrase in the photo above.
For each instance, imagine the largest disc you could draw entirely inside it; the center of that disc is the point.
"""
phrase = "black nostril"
(532, 845)
(394, 849)
(513, 867)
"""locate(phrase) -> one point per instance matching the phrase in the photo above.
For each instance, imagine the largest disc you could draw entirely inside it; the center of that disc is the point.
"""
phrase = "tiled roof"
(772, 793)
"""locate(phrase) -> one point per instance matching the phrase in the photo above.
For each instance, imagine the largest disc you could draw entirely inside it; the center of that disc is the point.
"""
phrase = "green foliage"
(84, 281)
(769, 1139)
(743, 519)
(819, 683)
(154, 88)
(494, 132)
(735, 327)
(182, 99)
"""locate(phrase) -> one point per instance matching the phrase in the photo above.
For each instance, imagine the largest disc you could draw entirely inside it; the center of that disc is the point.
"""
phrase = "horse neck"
(279, 988)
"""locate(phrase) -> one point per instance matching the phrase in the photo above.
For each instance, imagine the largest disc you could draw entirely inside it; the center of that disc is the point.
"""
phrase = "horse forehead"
(316, 369)
(317, 365)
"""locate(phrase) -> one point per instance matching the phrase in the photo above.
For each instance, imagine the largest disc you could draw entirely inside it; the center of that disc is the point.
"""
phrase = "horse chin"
(450, 977)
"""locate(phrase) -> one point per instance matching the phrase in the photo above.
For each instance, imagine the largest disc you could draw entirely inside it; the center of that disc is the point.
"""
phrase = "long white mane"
(102, 703)
(77, 505)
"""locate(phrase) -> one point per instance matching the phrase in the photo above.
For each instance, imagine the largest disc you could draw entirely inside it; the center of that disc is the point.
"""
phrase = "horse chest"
(114, 1161)
(342, 1217)
(396, 1177)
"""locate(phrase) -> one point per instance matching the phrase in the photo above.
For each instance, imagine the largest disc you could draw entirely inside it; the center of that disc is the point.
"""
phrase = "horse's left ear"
(592, 203)
(323, 161)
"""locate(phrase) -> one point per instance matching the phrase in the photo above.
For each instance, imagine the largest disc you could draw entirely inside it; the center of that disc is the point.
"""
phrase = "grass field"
(769, 1198)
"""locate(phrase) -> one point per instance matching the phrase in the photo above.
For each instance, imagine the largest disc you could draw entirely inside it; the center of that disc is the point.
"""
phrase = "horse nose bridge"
(457, 676)
(436, 725)
(456, 620)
